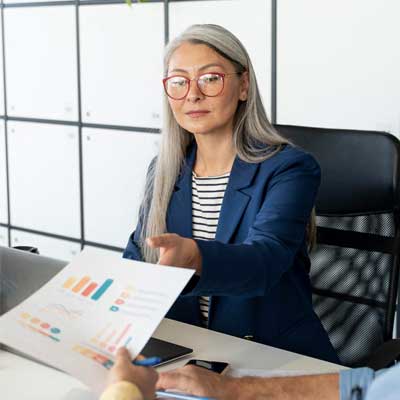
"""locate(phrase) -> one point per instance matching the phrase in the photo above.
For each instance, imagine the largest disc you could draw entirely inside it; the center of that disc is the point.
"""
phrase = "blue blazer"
(256, 271)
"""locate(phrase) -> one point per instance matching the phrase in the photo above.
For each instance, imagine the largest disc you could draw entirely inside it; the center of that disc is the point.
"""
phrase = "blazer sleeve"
(132, 250)
(255, 266)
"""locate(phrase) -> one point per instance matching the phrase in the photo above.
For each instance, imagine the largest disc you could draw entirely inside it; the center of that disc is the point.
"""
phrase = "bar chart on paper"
(86, 288)
(95, 305)
(112, 336)
(104, 343)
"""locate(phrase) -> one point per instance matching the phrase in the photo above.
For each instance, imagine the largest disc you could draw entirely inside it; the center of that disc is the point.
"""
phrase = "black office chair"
(355, 265)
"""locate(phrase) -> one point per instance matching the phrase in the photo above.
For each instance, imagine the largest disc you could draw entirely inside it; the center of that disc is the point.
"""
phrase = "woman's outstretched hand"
(177, 251)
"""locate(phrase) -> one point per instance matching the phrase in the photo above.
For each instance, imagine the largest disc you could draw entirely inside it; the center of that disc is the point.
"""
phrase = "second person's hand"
(198, 382)
(145, 378)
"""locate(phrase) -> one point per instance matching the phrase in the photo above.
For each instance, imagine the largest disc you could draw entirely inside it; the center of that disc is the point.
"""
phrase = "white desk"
(24, 379)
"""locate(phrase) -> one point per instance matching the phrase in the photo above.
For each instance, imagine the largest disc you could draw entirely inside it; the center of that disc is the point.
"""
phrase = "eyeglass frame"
(221, 74)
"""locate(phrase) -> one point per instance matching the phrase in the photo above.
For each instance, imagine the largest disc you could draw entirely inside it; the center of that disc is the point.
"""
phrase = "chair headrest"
(360, 169)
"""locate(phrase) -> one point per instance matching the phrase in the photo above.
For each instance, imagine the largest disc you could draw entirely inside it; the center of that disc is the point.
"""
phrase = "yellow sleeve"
(122, 391)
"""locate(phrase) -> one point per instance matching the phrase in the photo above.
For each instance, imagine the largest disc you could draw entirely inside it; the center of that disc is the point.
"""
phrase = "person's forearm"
(314, 387)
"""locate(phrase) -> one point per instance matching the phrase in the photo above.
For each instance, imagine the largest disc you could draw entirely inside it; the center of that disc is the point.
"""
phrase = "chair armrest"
(385, 355)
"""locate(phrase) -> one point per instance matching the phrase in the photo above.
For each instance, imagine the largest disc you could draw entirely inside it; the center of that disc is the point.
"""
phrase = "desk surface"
(25, 379)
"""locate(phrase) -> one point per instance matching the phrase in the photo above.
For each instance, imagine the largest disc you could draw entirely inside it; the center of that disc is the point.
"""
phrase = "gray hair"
(255, 139)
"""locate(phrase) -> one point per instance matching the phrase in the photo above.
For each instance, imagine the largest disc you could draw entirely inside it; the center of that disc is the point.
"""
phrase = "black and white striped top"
(207, 195)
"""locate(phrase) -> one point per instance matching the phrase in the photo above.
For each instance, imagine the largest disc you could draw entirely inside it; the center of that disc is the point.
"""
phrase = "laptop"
(23, 273)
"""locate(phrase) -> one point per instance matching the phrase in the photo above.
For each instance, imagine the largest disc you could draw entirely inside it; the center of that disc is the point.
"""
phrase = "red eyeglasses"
(210, 84)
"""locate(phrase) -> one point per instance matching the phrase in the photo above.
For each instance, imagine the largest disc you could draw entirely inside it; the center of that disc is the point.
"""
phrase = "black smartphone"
(167, 351)
(216, 366)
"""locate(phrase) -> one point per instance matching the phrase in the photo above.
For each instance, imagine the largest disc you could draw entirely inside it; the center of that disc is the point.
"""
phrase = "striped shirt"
(207, 196)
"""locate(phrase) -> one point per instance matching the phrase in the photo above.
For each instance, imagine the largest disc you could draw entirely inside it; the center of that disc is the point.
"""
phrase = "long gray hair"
(255, 139)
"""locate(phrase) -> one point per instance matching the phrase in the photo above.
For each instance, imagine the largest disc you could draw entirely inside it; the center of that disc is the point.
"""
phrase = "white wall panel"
(3, 236)
(3, 177)
(339, 63)
(250, 21)
(48, 246)
(41, 66)
(114, 167)
(27, 1)
(2, 109)
(121, 64)
(44, 177)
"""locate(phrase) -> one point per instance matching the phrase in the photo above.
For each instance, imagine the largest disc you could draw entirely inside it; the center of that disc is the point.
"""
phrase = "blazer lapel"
(179, 216)
(235, 201)
(179, 219)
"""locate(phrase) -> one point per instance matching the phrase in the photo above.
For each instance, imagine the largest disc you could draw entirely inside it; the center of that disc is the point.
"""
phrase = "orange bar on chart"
(69, 282)
(89, 289)
(81, 284)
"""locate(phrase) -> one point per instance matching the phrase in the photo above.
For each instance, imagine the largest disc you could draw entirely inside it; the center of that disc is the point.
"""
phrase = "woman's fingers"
(176, 251)
(165, 240)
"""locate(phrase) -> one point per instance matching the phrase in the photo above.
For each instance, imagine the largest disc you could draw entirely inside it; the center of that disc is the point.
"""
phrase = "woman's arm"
(254, 267)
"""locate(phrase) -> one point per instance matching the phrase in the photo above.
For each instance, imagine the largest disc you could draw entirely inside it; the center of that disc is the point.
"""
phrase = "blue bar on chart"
(102, 289)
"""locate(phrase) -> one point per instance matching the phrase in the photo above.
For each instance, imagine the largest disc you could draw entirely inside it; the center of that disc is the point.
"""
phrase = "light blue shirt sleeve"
(386, 385)
(365, 384)
(354, 383)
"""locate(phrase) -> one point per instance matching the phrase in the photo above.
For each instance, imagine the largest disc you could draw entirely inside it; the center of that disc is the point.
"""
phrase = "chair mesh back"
(355, 329)
(355, 267)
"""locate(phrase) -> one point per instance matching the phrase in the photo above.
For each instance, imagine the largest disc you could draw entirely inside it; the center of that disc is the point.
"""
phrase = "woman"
(228, 196)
